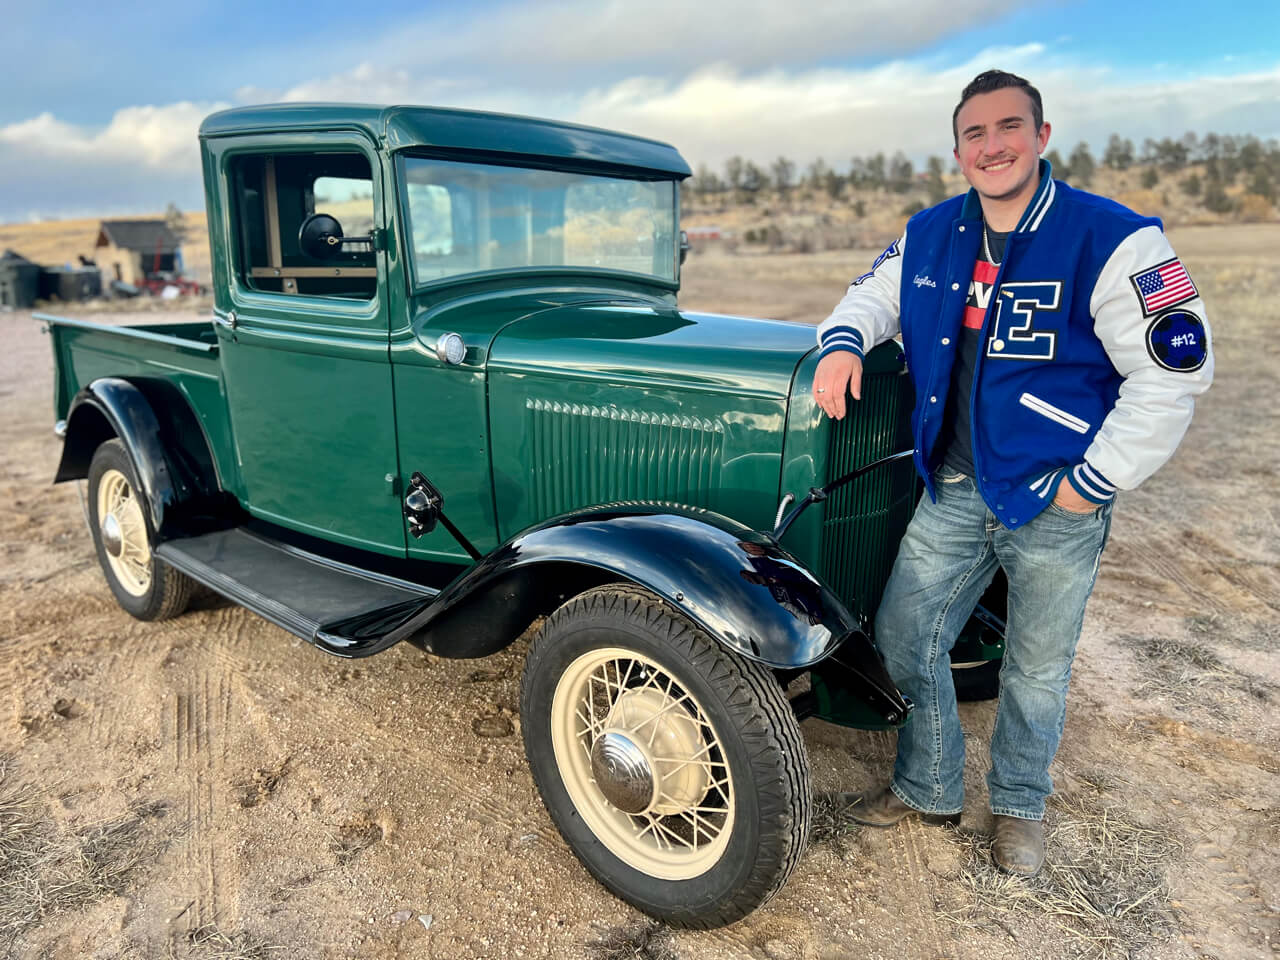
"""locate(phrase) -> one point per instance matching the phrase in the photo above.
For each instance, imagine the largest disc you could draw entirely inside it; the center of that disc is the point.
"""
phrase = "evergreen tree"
(733, 170)
(1150, 178)
(1081, 164)
(1060, 169)
(901, 173)
(1119, 153)
(1191, 186)
(937, 188)
(784, 172)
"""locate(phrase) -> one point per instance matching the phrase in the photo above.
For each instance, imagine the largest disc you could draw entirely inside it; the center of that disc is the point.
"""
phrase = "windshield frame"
(418, 285)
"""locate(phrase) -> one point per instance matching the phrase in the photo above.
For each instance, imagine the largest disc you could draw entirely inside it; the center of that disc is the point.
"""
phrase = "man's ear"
(1042, 136)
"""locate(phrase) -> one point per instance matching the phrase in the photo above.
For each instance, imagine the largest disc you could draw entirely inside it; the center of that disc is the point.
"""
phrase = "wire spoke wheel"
(124, 532)
(145, 586)
(642, 763)
(672, 765)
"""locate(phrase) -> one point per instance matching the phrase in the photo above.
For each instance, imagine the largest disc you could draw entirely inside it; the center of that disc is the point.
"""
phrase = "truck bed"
(185, 354)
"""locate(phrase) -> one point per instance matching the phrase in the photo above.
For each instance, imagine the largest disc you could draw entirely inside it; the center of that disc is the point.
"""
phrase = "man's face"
(998, 146)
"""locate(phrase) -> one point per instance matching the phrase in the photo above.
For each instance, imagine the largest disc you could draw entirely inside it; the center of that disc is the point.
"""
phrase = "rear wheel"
(143, 584)
(978, 680)
(672, 766)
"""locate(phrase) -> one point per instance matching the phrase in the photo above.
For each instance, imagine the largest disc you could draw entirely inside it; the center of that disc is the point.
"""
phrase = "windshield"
(469, 217)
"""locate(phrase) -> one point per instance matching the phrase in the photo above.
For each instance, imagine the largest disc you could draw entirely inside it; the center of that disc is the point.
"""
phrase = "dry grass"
(832, 824)
(44, 870)
(1103, 884)
(1184, 671)
(210, 943)
(641, 941)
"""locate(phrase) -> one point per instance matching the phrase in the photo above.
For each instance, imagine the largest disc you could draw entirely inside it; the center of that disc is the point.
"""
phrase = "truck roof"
(403, 127)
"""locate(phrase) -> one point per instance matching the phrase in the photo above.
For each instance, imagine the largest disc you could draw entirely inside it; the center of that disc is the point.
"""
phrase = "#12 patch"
(1177, 341)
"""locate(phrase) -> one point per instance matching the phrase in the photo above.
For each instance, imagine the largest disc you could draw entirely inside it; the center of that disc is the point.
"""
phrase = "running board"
(343, 610)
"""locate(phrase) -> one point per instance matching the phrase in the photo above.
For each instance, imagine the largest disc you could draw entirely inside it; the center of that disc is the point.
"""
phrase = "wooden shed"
(133, 250)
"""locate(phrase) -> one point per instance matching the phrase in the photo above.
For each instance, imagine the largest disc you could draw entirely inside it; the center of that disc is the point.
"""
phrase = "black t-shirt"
(957, 428)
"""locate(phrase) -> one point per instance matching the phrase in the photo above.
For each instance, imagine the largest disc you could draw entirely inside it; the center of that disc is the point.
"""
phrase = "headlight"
(450, 349)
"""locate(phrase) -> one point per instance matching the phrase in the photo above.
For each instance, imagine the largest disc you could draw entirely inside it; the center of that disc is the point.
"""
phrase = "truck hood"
(632, 342)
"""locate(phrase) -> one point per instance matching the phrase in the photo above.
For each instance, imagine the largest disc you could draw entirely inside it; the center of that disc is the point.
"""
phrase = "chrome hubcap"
(622, 772)
(112, 541)
(642, 763)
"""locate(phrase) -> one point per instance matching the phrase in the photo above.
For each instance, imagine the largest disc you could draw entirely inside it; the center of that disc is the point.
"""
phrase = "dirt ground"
(212, 787)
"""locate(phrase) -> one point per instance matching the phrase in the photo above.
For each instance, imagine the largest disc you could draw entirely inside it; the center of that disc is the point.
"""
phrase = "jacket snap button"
(955, 286)
(945, 341)
(999, 506)
(933, 399)
(962, 228)
(1013, 519)
(997, 344)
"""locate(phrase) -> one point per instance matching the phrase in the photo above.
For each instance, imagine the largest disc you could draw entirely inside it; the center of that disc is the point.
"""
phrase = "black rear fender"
(168, 446)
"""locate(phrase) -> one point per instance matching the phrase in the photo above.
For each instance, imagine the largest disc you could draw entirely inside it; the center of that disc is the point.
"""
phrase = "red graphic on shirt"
(984, 278)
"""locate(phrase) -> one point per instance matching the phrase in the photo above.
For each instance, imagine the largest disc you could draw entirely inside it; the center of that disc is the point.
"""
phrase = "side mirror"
(320, 236)
(684, 246)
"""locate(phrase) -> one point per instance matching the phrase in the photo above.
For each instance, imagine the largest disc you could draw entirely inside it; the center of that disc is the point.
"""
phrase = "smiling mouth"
(997, 167)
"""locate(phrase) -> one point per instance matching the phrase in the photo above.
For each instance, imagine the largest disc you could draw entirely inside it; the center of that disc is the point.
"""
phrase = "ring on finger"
(822, 390)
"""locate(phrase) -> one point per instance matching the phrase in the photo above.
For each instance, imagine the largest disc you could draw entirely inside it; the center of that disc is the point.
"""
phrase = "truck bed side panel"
(179, 354)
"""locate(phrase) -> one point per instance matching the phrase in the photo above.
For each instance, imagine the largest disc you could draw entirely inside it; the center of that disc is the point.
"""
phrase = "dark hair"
(988, 82)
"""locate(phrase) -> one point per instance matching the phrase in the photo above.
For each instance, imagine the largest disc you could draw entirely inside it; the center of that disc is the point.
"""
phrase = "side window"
(273, 195)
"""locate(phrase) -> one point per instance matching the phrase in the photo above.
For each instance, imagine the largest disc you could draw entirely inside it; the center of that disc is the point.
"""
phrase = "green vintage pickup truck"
(446, 391)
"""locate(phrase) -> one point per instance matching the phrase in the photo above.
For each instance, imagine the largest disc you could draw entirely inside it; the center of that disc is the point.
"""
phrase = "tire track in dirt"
(1236, 899)
(1164, 560)
(201, 715)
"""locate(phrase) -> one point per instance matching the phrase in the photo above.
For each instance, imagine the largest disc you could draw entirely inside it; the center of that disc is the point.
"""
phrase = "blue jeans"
(946, 560)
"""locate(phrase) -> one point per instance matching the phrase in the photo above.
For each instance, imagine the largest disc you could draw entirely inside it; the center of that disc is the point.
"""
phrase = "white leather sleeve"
(1155, 404)
(868, 313)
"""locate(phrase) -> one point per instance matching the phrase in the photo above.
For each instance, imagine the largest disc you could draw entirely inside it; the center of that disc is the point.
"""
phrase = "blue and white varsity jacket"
(1093, 347)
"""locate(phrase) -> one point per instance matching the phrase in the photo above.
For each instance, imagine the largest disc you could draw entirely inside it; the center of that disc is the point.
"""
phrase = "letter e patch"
(1176, 340)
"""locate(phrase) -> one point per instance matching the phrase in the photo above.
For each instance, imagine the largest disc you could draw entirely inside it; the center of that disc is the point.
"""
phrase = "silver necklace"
(986, 246)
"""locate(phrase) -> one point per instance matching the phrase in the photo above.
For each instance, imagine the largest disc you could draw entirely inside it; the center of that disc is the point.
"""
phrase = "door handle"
(230, 321)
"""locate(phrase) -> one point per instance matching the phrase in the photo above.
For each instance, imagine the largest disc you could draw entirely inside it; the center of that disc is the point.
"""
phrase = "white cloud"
(541, 40)
(836, 114)
(709, 113)
(155, 137)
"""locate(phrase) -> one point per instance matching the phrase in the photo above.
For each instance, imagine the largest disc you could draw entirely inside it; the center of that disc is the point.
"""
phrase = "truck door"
(304, 343)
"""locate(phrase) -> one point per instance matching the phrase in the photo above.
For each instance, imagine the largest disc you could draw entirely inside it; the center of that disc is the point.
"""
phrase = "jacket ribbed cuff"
(1091, 484)
(840, 338)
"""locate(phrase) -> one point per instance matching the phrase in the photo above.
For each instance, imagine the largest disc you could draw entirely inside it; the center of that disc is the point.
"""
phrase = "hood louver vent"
(583, 454)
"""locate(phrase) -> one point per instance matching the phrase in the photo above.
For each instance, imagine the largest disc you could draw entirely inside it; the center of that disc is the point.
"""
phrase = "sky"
(101, 103)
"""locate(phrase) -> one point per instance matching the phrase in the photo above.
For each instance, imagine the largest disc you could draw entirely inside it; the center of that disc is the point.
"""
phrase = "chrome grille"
(864, 520)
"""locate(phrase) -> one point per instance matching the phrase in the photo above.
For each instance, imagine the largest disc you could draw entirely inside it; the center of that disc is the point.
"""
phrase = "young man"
(1056, 344)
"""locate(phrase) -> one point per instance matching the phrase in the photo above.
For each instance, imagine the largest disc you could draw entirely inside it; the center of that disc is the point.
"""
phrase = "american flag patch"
(1164, 285)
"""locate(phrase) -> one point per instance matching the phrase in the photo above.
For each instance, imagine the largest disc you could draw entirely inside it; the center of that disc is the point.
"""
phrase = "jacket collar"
(1034, 215)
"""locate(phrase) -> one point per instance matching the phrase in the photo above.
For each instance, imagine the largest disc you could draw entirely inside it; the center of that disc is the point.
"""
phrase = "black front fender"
(735, 583)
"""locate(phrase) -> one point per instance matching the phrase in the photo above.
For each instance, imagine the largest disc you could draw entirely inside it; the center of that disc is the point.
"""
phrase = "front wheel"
(143, 584)
(672, 766)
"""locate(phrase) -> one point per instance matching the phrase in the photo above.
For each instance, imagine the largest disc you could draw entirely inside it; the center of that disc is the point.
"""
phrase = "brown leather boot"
(884, 809)
(1018, 846)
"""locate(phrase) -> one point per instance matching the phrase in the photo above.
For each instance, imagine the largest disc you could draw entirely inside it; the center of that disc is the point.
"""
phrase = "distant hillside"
(57, 242)
(805, 219)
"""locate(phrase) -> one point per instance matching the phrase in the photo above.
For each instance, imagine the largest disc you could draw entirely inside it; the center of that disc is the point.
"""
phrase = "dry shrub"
(1146, 202)
(1104, 883)
(1183, 671)
(210, 943)
(832, 824)
(1255, 208)
(642, 941)
(44, 870)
